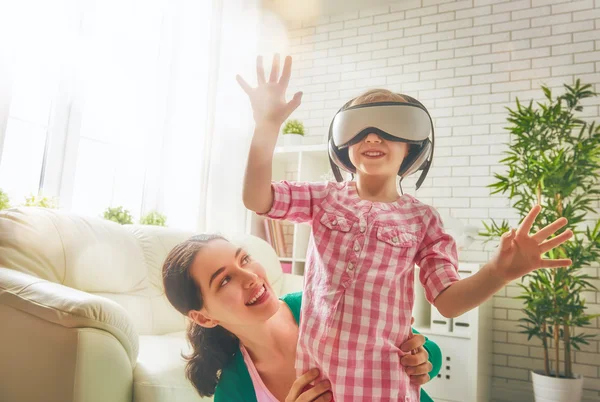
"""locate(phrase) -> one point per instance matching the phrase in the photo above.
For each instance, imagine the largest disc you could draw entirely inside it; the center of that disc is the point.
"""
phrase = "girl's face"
(374, 156)
(234, 287)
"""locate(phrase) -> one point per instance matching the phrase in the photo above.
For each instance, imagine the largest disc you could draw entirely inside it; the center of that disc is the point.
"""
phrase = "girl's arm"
(257, 192)
(518, 254)
(270, 111)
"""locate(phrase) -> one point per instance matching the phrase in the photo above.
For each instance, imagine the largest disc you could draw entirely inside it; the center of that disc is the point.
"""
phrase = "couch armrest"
(68, 307)
(292, 283)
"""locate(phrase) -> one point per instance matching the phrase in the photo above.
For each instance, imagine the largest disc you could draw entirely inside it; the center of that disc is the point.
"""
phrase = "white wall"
(466, 60)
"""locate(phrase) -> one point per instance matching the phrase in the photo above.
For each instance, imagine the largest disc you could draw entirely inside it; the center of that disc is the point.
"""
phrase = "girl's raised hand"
(268, 98)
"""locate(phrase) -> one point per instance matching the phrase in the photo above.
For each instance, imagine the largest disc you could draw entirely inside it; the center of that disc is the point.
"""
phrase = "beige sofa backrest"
(122, 263)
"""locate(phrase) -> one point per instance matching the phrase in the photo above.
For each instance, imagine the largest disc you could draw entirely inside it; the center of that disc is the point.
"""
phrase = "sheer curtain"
(246, 31)
(140, 98)
(142, 111)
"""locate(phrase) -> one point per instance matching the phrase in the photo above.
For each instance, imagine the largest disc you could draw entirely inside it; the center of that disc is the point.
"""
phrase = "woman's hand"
(319, 393)
(417, 362)
(268, 98)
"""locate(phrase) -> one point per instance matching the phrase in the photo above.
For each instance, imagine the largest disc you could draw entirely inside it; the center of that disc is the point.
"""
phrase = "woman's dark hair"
(212, 348)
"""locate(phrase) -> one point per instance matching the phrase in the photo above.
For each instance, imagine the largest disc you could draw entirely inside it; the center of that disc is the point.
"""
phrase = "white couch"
(83, 316)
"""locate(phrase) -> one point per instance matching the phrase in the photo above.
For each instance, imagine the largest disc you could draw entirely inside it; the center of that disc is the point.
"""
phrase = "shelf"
(285, 259)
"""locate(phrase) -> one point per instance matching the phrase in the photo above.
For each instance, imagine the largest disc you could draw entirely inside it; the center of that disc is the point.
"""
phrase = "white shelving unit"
(466, 344)
(466, 341)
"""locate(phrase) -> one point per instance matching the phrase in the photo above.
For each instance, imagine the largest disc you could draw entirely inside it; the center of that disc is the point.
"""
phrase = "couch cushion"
(85, 253)
(160, 373)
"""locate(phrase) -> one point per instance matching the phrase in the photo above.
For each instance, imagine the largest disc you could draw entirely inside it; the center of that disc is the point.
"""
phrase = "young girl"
(366, 240)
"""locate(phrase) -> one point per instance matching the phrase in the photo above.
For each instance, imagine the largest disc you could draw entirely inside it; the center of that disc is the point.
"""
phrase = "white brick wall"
(465, 60)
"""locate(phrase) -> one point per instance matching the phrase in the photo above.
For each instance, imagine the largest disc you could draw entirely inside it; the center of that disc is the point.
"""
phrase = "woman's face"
(375, 156)
(234, 287)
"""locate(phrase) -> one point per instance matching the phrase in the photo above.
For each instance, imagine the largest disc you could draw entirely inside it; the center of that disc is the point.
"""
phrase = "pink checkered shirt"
(358, 288)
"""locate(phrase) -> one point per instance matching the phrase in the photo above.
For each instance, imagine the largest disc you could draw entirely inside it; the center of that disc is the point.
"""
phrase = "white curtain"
(148, 114)
(230, 123)
(246, 31)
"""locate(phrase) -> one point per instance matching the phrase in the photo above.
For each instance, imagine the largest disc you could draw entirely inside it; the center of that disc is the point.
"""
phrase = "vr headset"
(408, 122)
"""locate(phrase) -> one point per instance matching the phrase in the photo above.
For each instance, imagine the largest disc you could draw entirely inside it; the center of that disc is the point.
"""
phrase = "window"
(129, 78)
(33, 89)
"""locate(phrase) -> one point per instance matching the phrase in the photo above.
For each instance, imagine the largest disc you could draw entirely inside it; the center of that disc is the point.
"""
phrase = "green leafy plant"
(41, 201)
(293, 127)
(554, 160)
(119, 215)
(154, 218)
(4, 200)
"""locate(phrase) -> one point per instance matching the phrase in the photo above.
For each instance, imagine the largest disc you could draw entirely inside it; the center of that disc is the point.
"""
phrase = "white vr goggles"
(408, 122)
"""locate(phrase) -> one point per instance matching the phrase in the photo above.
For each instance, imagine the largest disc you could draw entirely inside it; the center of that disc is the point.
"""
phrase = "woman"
(243, 337)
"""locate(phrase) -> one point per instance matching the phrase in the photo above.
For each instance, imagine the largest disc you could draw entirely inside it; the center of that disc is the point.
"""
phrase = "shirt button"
(334, 222)
(362, 229)
(395, 240)
(350, 266)
(356, 248)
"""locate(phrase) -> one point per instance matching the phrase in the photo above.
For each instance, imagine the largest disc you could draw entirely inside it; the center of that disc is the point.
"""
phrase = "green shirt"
(235, 384)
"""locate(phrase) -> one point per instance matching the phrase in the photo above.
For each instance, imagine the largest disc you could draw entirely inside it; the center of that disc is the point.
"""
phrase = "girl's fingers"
(274, 69)
(243, 84)
(506, 240)
(287, 72)
(556, 241)
(527, 223)
(260, 70)
(549, 230)
(293, 104)
(556, 263)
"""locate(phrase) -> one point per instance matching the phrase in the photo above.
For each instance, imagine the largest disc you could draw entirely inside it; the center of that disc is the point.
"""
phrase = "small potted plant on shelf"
(4, 200)
(154, 218)
(118, 215)
(41, 201)
(293, 131)
(554, 160)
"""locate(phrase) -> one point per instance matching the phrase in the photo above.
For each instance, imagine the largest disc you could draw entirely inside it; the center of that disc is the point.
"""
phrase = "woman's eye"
(246, 259)
(225, 281)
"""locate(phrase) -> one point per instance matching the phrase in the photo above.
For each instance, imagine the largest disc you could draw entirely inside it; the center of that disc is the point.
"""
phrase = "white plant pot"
(552, 389)
(292, 139)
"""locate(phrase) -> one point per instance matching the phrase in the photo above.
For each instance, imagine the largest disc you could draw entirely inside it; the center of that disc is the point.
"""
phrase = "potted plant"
(293, 131)
(554, 160)
(118, 215)
(41, 201)
(4, 200)
(154, 218)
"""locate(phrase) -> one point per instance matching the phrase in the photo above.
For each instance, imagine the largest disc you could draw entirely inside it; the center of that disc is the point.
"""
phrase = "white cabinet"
(466, 344)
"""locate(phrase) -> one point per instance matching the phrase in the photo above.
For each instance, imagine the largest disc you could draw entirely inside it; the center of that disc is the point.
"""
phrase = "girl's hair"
(377, 95)
(212, 348)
